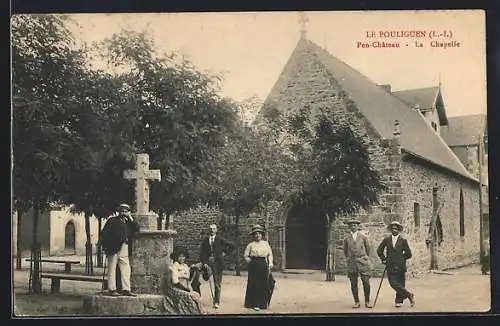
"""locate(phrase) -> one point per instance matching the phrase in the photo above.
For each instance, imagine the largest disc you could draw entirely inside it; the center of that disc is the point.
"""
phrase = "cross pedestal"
(150, 259)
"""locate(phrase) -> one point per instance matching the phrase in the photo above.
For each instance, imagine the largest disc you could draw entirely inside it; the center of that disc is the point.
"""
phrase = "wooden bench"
(67, 263)
(55, 284)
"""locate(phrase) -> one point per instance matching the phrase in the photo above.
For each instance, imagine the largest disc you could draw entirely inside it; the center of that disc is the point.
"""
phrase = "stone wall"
(454, 251)
(192, 227)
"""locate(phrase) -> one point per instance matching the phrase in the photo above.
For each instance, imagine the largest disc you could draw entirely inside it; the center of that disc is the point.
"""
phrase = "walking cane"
(379, 286)
(210, 283)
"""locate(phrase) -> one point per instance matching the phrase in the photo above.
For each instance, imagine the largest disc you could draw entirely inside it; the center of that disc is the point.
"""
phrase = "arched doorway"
(69, 236)
(306, 241)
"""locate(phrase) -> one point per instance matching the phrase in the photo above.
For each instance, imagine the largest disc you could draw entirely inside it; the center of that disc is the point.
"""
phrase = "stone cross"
(303, 20)
(142, 174)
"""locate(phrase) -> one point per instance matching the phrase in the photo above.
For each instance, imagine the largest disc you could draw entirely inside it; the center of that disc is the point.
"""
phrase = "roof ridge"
(377, 106)
(469, 175)
(326, 52)
(416, 89)
(325, 55)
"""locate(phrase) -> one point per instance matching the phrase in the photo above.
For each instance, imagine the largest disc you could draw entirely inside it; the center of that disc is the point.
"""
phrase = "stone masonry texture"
(150, 260)
(305, 82)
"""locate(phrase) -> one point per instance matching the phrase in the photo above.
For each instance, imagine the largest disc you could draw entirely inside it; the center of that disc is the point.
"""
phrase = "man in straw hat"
(212, 251)
(357, 252)
(116, 237)
(397, 251)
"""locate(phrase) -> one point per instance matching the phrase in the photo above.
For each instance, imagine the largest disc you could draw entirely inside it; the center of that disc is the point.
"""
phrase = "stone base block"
(150, 260)
(143, 304)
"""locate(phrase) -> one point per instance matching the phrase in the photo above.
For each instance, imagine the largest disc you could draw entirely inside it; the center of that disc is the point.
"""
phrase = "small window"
(434, 125)
(416, 214)
(462, 217)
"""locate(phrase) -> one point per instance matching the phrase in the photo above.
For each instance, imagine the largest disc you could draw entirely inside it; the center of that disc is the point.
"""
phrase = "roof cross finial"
(439, 80)
(303, 20)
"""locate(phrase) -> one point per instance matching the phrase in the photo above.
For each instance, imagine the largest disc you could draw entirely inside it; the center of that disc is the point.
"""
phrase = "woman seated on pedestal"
(180, 297)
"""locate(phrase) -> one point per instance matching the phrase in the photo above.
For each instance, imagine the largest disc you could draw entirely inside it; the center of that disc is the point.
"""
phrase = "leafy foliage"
(46, 71)
(341, 179)
(248, 173)
(175, 115)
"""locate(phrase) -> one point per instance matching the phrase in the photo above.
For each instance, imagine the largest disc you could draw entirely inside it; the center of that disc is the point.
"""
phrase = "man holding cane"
(212, 251)
(397, 251)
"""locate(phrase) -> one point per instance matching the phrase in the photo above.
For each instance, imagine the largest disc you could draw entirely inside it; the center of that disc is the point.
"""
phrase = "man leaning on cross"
(116, 237)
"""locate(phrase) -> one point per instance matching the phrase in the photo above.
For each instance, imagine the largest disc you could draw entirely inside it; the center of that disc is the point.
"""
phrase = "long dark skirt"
(180, 302)
(258, 292)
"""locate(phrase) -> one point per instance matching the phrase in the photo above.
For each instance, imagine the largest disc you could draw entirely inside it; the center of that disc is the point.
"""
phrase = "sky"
(251, 49)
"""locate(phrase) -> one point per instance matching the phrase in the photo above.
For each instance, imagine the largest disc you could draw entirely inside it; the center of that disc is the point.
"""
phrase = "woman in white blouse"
(260, 284)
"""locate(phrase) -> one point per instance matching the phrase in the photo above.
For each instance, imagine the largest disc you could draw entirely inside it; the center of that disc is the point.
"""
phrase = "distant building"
(60, 232)
(462, 135)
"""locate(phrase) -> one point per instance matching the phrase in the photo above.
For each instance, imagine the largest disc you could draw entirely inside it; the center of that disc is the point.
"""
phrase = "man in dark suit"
(212, 251)
(397, 251)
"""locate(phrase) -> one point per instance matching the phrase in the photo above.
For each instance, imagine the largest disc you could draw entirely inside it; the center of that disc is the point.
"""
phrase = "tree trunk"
(19, 238)
(99, 246)
(330, 251)
(36, 282)
(237, 265)
(89, 268)
(159, 221)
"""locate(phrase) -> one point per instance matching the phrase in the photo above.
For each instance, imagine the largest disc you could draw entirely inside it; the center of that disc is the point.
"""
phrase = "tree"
(96, 186)
(175, 114)
(45, 67)
(20, 207)
(153, 105)
(246, 175)
(247, 109)
(341, 178)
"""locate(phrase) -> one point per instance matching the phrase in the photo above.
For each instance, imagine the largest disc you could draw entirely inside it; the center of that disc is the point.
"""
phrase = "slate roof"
(425, 98)
(381, 108)
(464, 130)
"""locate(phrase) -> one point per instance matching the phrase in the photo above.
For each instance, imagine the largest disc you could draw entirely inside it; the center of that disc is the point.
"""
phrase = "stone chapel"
(403, 130)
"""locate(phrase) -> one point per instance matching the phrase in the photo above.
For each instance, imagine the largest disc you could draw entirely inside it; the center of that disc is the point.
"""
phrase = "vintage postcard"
(250, 163)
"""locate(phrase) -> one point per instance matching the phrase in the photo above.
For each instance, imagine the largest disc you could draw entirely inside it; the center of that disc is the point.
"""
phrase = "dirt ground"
(465, 290)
